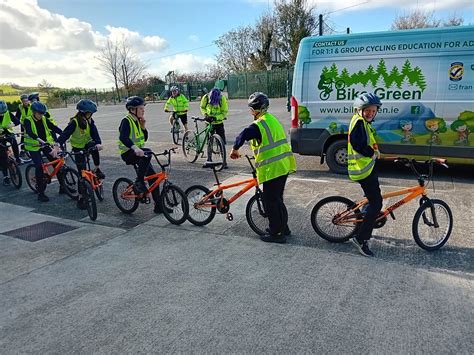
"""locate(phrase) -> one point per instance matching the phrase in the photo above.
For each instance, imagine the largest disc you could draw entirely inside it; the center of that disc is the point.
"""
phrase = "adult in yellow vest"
(39, 139)
(179, 104)
(7, 122)
(274, 161)
(24, 109)
(132, 137)
(214, 107)
(362, 153)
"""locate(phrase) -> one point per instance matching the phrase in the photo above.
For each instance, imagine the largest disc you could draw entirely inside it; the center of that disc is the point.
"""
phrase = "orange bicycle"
(337, 219)
(172, 198)
(67, 177)
(89, 184)
(204, 203)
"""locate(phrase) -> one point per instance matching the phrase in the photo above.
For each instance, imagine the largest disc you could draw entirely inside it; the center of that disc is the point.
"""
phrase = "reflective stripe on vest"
(80, 137)
(32, 144)
(136, 136)
(273, 156)
(7, 120)
(358, 165)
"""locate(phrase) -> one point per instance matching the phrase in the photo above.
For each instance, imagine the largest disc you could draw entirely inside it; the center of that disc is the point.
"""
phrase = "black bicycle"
(12, 167)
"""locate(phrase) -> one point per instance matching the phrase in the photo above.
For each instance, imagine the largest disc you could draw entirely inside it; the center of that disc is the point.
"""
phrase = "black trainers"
(269, 238)
(139, 187)
(62, 190)
(286, 232)
(362, 247)
(99, 174)
(42, 197)
(159, 209)
(6, 180)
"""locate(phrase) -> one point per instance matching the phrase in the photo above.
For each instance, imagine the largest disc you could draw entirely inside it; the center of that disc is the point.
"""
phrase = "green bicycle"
(194, 143)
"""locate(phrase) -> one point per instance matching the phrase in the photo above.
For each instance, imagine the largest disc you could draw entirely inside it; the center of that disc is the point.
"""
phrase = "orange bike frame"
(160, 177)
(56, 164)
(92, 178)
(249, 183)
(351, 217)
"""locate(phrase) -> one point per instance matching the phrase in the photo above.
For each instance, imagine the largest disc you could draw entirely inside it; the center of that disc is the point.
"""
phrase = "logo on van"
(379, 78)
(456, 71)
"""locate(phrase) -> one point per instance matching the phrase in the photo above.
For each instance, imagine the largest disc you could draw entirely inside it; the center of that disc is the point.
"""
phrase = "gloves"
(138, 152)
(209, 119)
(99, 147)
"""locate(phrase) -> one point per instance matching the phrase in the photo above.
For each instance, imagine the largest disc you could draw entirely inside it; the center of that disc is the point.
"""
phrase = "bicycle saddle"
(211, 164)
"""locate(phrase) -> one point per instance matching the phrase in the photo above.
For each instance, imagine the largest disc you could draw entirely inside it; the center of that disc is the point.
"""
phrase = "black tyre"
(175, 204)
(216, 151)
(324, 95)
(322, 219)
(87, 194)
(175, 132)
(199, 215)
(99, 191)
(190, 147)
(256, 215)
(426, 235)
(15, 174)
(69, 179)
(336, 157)
(125, 204)
(30, 177)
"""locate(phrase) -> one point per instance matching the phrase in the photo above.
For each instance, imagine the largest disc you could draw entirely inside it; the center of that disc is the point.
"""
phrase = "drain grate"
(39, 231)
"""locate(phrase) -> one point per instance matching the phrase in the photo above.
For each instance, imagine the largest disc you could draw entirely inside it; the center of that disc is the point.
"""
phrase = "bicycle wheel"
(15, 174)
(99, 191)
(69, 180)
(87, 193)
(30, 177)
(256, 216)
(175, 132)
(323, 215)
(190, 146)
(199, 215)
(175, 204)
(124, 203)
(216, 150)
(426, 235)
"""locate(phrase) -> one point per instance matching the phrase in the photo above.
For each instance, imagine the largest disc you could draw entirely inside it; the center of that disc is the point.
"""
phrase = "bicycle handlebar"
(411, 163)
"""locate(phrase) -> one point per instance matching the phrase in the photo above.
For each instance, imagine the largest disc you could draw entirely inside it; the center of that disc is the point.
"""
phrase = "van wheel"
(336, 157)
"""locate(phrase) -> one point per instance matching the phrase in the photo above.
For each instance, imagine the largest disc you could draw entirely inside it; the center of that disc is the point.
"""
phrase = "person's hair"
(404, 123)
(215, 97)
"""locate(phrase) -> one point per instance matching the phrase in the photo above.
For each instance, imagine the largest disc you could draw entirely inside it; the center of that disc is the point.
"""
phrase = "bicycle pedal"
(229, 216)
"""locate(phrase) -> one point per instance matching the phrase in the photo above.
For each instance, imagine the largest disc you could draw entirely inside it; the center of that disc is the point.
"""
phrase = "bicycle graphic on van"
(327, 86)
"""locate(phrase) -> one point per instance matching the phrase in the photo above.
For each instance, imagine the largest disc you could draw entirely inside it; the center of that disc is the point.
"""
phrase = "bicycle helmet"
(134, 101)
(34, 96)
(174, 88)
(23, 97)
(86, 105)
(258, 101)
(3, 107)
(39, 107)
(366, 100)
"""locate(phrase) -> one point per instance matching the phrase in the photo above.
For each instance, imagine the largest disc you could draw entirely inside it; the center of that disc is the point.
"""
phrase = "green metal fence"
(274, 83)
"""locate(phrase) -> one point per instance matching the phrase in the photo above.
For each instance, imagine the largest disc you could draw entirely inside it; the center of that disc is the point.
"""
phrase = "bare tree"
(46, 86)
(109, 58)
(132, 68)
(453, 20)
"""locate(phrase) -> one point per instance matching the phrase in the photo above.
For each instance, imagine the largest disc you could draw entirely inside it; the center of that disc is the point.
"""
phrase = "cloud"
(141, 44)
(193, 38)
(10, 38)
(184, 63)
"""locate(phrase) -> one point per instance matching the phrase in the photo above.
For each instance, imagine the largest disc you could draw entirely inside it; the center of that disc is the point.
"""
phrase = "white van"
(425, 79)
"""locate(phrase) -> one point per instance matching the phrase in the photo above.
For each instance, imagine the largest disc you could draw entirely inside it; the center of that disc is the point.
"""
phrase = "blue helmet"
(34, 96)
(258, 101)
(23, 97)
(86, 105)
(134, 101)
(366, 100)
(39, 107)
(3, 107)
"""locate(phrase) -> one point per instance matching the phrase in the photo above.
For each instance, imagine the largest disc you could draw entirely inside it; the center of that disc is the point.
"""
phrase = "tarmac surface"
(136, 283)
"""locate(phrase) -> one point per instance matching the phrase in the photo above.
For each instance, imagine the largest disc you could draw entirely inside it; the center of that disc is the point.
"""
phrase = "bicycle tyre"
(256, 216)
(30, 177)
(174, 203)
(190, 148)
(423, 218)
(194, 194)
(322, 217)
(175, 132)
(15, 174)
(69, 178)
(127, 206)
(216, 147)
(89, 198)
(99, 191)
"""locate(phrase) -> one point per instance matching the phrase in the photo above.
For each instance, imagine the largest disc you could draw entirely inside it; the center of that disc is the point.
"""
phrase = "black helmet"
(39, 107)
(23, 96)
(33, 96)
(258, 101)
(134, 101)
(366, 100)
(86, 105)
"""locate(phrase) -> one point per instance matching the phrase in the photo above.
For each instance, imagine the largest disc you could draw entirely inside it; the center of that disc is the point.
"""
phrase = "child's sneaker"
(362, 247)
(6, 180)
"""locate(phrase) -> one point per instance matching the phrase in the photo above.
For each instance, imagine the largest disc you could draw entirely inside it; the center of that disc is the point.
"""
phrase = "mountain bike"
(337, 218)
(195, 141)
(89, 184)
(67, 176)
(204, 203)
(176, 128)
(173, 200)
(12, 166)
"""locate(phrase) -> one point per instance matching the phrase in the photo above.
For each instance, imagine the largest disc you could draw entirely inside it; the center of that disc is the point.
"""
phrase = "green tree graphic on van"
(330, 78)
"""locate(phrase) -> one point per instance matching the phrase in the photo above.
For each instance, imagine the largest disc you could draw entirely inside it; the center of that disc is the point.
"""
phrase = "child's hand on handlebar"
(234, 154)
(138, 152)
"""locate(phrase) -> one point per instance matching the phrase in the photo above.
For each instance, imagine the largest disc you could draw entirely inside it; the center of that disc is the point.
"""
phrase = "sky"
(59, 40)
